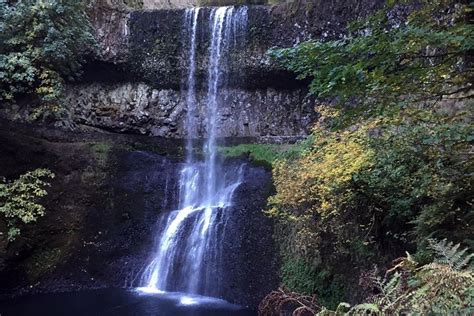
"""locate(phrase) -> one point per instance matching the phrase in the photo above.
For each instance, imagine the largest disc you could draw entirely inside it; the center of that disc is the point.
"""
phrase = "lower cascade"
(188, 251)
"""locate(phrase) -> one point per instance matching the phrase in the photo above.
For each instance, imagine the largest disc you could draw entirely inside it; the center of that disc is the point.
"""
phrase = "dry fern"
(284, 302)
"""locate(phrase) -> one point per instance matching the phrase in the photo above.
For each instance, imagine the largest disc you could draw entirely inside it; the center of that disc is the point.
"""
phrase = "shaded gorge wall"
(102, 210)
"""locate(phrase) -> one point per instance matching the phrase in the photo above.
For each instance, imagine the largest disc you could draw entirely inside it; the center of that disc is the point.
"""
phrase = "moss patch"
(95, 174)
(175, 151)
(134, 4)
(101, 151)
(303, 277)
(264, 154)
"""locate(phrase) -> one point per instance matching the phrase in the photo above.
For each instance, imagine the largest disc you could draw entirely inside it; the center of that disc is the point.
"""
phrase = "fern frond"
(463, 262)
(449, 254)
(392, 286)
(342, 308)
(366, 308)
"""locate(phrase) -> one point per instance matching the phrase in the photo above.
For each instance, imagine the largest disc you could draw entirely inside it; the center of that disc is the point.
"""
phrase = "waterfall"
(188, 252)
(191, 19)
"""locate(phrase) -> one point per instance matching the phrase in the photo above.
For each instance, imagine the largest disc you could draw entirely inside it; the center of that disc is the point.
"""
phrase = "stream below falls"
(120, 302)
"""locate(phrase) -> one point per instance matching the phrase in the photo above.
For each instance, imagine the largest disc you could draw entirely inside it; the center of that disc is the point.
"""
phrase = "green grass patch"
(266, 154)
(260, 154)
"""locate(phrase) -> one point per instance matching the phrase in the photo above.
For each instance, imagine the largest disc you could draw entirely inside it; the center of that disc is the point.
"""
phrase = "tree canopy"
(42, 44)
(425, 55)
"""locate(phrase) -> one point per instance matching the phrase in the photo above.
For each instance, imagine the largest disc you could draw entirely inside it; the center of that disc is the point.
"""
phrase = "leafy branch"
(19, 199)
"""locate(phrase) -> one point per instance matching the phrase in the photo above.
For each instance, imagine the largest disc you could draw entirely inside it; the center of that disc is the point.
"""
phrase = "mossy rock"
(264, 154)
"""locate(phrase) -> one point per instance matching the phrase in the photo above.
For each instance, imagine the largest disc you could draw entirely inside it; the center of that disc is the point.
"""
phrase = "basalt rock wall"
(137, 84)
(139, 108)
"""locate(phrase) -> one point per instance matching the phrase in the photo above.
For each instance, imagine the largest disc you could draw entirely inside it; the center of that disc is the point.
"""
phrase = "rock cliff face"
(102, 214)
(158, 53)
(110, 24)
(137, 87)
(139, 108)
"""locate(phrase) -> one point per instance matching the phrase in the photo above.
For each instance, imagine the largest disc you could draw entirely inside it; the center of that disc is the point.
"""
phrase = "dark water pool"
(120, 302)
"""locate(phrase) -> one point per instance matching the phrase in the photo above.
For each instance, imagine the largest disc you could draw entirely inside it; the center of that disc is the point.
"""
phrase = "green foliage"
(101, 151)
(19, 199)
(303, 277)
(419, 176)
(42, 43)
(450, 255)
(405, 289)
(389, 166)
(298, 275)
(442, 287)
(382, 58)
(383, 184)
(267, 154)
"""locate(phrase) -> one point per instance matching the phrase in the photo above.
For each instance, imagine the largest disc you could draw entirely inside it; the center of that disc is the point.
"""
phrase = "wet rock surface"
(90, 237)
(102, 210)
(158, 49)
(151, 45)
(251, 257)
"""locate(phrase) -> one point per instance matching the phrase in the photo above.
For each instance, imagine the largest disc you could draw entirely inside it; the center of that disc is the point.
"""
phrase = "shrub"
(19, 199)
(390, 164)
(442, 287)
(42, 44)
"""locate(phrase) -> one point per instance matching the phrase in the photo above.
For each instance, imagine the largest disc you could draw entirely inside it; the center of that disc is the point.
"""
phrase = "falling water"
(188, 254)
(191, 16)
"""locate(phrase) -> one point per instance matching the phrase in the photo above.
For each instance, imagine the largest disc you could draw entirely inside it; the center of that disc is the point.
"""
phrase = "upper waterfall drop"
(191, 16)
(188, 252)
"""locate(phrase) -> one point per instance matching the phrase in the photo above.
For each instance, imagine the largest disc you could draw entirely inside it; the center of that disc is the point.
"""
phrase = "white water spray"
(188, 252)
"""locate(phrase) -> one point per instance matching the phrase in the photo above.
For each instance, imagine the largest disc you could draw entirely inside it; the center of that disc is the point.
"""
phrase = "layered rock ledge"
(137, 84)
